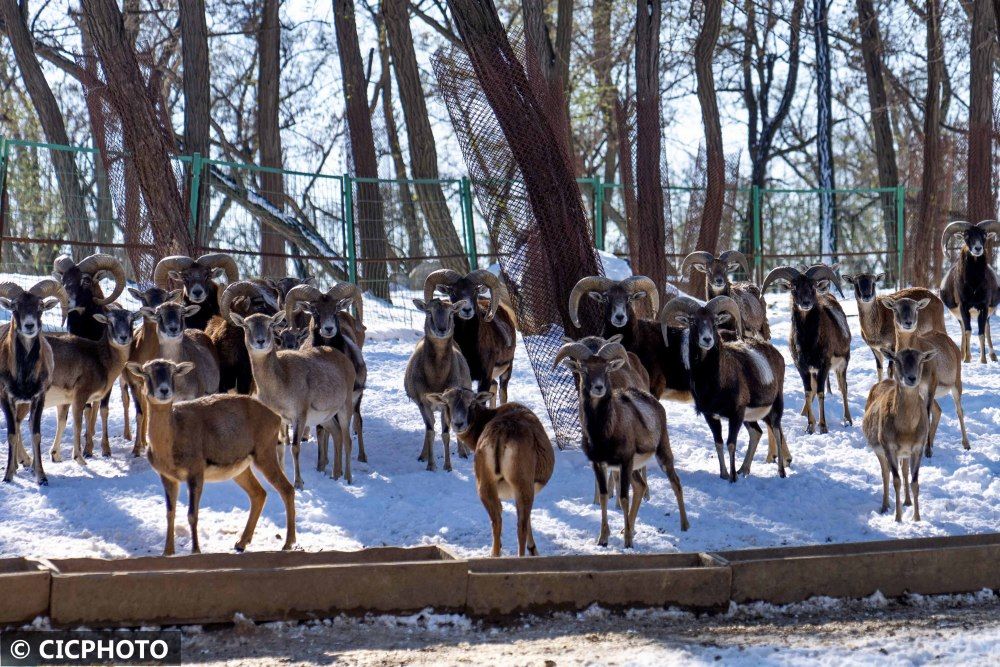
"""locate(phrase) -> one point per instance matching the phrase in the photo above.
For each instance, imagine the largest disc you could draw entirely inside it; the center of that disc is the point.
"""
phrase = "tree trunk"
(544, 69)
(981, 203)
(824, 134)
(420, 138)
(272, 184)
(411, 223)
(704, 51)
(68, 177)
(607, 93)
(564, 245)
(143, 136)
(925, 234)
(368, 199)
(881, 124)
(647, 249)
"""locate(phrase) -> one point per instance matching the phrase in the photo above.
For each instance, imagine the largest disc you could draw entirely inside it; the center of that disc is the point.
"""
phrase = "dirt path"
(940, 630)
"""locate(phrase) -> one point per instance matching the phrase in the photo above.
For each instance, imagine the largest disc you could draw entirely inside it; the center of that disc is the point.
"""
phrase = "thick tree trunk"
(704, 51)
(606, 91)
(68, 177)
(143, 135)
(563, 244)
(824, 134)
(368, 199)
(197, 90)
(925, 234)
(411, 223)
(544, 68)
(881, 123)
(981, 202)
(420, 138)
(648, 249)
(269, 134)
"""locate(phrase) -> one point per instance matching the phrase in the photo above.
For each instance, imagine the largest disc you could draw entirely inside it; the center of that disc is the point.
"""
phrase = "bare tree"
(607, 94)
(50, 117)
(370, 209)
(420, 138)
(824, 133)
(269, 133)
(547, 66)
(925, 235)
(704, 52)
(881, 122)
(980, 199)
(143, 134)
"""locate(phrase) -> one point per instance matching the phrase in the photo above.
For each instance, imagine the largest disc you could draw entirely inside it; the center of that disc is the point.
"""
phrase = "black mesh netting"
(527, 252)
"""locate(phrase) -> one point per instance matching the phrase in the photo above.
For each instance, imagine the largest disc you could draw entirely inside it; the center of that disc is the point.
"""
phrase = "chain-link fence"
(58, 199)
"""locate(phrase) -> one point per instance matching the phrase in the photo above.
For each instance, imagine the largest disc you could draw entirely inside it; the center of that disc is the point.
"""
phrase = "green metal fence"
(327, 219)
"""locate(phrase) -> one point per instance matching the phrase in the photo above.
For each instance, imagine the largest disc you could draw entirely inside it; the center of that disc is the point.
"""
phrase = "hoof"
(782, 474)
(744, 470)
(810, 429)
(447, 468)
(362, 458)
(44, 481)
(907, 503)
(723, 475)
(883, 510)
(685, 525)
(56, 457)
(993, 356)
(732, 479)
(81, 460)
(88, 455)
(240, 548)
(770, 459)
(431, 467)
(288, 546)
(847, 422)
(965, 445)
(299, 485)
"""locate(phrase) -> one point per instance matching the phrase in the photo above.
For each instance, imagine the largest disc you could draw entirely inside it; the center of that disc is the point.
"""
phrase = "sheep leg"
(170, 490)
(90, 414)
(822, 379)
(13, 438)
(123, 386)
(638, 489)
(602, 486)
(624, 486)
(257, 494)
(105, 441)
(525, 500)
(884, 465)
(956, 395)
(915, 484)
(427, 454)
(344, 419)
(446, 440)
(735, 422)
(932, 431)
(645, 480)
(755, 432)
(716, 426)
(265, 462)
(786, 457)
(359, 430)
(62, 413)
(894, 468)
(989, 339)
(37, 407)
(904, 466)
(966, 333)
(842, 383)
(296, 446)
(808, 385)
(772, 446)
(983, 321)
(666, 460)
(488, 495)
(78, 408)
(504, 381)
(140, 422)
(322, 448)
(195, 485)
(332, 429)
(879, 361)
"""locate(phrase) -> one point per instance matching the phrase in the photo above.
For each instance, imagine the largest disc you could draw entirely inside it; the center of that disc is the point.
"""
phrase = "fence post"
(465, 189)
(348, 199)
(900, 232)
(758, 261)
(4, 153)
(196, 166)
(599, 212)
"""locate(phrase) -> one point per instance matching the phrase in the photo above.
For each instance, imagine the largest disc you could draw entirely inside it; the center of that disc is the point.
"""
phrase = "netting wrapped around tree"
(540, 266)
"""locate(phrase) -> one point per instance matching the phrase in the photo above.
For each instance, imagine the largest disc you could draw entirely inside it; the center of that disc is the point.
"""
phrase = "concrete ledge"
(24, 590)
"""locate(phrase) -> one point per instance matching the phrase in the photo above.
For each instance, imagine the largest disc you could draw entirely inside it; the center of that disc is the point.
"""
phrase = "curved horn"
(344, 290)
(9, 290)
(679, 304)
(161, 274)
(730, 256)
(991, 226)
(586, 286)
(725, 304)
(439, 277)
(297, 294)
(788, 273)
(234, 291)
(824, 272)
(697, 258)
(49, 287)
(956, 227)
(635, 283)
(223, 261)
(576, 351)
(63, 264)
(487, 279)
(611, 351)
(96, 264)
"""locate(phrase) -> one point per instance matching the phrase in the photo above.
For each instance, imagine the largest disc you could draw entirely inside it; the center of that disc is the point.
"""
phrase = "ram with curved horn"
(663, 361)
(820, 340)
(198, 278)
(741, 381)
(26, 366)
(971, 288)
(484, 328)
(332, 326)
(747, 295)
(624, 429)
(244, 298)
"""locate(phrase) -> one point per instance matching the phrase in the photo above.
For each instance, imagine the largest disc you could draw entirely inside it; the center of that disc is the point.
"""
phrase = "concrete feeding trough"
(929, 566)
(212, 588)
(24, 590)
(503, 586)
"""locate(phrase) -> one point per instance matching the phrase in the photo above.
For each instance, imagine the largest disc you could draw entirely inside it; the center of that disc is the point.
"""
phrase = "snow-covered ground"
(114, 507)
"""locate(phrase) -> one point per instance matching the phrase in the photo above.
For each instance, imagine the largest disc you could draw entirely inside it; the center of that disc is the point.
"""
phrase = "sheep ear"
(237, 319)
(218, 272)
(434, 399)
(421, 305)
(147, 312)
(888, 354)
(278, 317)
(682, 319)
(635, 296)
(928, 355)
(823, 286)
(174, 275)
(183, 368)
(6, 303)
(722, 318)
(134, 368)
(616, 364)
(175, 295)
(596, 296)
(99, 317)
(571, 364)
(50, 303)
(923, 303)
(700, 268)
(136, 294)
(879, 277)
(617, 338)
(135, 317)
(889, 302)
(191, 310)
(849, 278)
(484, 397)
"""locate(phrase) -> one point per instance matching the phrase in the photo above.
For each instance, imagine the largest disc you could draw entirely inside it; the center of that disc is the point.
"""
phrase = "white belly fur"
(222, 473)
